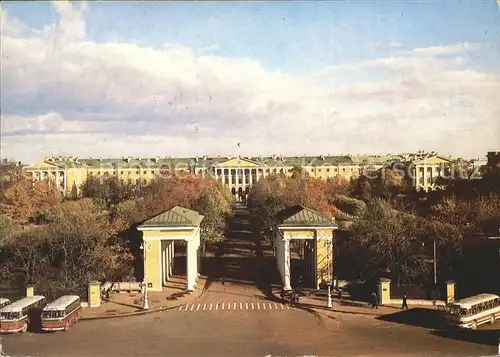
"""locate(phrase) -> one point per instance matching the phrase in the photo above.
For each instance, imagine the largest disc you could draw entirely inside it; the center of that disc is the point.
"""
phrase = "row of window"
(240, 171)
(475, 309)
(54, 314)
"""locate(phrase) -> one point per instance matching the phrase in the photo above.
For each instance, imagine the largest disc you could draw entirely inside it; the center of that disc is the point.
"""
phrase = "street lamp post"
(435, 263)
(329, 283)
(145, 305)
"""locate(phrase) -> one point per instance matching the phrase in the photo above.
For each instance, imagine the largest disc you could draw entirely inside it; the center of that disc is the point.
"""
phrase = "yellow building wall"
(152, 250)
(301, 234)
(167, 234)
(324, 232)
(75, 176)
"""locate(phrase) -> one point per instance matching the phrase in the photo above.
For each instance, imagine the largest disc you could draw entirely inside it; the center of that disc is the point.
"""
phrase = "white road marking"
(282, 307)
(252, 305)
(198, 307)
(217, 306)
(180, 308)
(258, 306)
(270, 306)
(288, 307)
(192, 307)
(241, 306)
(264, 305)
(275, 306)
(210, 307)
(234, 307)
(246, 306)
(222, 306)
(204, 306)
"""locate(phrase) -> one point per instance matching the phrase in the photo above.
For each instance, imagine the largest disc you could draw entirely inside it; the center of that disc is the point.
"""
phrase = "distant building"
(422, 171)
(239, 173)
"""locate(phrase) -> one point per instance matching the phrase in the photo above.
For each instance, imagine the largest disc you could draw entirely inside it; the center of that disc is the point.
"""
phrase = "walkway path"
(240, 271)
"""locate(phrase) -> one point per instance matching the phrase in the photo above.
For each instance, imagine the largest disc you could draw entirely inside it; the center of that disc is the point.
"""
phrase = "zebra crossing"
(233, 306)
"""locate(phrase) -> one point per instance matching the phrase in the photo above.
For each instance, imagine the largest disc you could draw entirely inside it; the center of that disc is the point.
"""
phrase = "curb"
(138, 313)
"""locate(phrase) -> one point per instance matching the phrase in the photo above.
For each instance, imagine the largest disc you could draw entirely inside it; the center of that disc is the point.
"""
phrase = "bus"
(17, 316)
(3, 302)
(62, 313)
(473, 311)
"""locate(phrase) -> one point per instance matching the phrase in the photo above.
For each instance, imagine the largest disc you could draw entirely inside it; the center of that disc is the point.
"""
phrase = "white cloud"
(9, 26)
(445, 49)
(210, 48)
(108, 99)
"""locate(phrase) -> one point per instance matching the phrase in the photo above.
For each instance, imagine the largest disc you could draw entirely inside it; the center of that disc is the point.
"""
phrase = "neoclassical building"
(238, 173)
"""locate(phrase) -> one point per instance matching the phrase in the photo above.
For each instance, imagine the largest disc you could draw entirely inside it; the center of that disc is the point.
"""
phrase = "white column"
(244, 178)
(198, 255)
(425, 175)
(171, 258)
(65, 180)
(192, 264)
(230, 176)
(166, 263)
(251, 176)
(162, 262)
(286, 256)
(280, 255)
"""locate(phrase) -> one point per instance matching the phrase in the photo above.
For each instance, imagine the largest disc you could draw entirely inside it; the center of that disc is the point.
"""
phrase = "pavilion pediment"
(42, 165)
(433, 160)
(238, 162)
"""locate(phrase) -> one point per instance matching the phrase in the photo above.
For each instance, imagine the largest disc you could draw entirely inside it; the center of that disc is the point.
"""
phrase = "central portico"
(159, 235)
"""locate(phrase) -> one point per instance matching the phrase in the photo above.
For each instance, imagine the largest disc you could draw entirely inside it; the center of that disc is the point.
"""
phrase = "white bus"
(3, 302)
(61, 313)
(474, 311)
(17, 316)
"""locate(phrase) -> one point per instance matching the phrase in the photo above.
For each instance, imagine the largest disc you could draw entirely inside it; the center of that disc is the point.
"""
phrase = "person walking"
(405, 302)
(374, 300)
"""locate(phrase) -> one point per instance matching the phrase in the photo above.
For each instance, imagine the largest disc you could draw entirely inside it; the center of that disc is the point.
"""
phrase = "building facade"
(238, 173)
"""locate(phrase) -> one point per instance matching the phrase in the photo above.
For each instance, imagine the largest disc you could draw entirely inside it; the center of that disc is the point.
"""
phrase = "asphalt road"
(249, 324)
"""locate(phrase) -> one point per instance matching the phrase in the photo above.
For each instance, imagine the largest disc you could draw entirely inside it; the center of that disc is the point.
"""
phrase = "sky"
(146, 79)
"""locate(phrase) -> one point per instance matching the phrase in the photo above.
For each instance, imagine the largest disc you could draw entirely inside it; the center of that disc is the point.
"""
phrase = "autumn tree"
(6, 232)
(85, 246)
(214, 203)
(362, 188)
(387, 184)
(390, 241)
(17, 203)
(46, 199)
(108, 189)
(25, 257)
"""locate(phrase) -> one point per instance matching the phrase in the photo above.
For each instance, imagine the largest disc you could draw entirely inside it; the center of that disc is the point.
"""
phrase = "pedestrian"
(282, 295)
(405, 302)
(374, 300)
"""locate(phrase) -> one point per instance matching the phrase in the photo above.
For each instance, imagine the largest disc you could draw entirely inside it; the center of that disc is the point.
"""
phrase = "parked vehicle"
(474, 311)
(3, 302)
(61, 313)
(17, 316)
